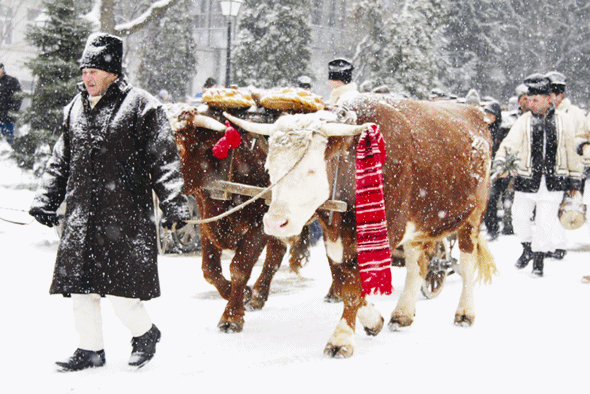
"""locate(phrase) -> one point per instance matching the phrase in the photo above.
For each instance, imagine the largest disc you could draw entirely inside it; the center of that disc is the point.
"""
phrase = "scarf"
(374, 255)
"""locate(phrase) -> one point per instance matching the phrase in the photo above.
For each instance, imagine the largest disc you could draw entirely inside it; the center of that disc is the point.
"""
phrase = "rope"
(256, 197)
(12, 221)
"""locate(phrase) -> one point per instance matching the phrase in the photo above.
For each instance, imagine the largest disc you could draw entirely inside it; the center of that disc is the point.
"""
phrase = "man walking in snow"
(8, 102)
(558, 83)
(548, 164)
(116, 148)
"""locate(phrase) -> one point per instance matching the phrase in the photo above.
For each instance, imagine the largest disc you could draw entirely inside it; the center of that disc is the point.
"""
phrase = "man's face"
(1, 72)
(556, 98)
(333, 84)
(523, 101)
(539, 103)
(97, 81)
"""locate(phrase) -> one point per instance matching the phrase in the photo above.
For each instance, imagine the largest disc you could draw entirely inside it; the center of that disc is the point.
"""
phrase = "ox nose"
(275, 224)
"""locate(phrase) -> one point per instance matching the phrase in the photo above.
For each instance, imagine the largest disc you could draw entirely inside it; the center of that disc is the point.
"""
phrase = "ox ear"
(256, 128)
(342, 130)
(206, 122)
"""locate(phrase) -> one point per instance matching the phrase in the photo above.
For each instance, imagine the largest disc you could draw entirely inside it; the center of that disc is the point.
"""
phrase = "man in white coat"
(544, 141)
(562, 104)
(340, 80)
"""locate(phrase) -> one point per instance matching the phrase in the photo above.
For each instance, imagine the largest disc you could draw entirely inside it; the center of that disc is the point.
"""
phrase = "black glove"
(168, 223)
(48, 219)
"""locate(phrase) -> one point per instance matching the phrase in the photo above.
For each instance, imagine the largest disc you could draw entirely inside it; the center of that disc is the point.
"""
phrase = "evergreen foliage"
(397, 43)
(168, 53)
(61, 43)
(494, 44)
(272, 47)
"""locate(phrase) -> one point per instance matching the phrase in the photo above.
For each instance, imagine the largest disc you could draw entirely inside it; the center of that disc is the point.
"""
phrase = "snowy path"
(530, 335)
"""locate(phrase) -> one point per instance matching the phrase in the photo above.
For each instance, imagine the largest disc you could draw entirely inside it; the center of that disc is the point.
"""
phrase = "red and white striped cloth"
(374, 255)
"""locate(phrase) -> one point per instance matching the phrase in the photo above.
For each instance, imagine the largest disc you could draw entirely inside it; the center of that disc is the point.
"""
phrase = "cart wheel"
(433, 283)
(187, 239)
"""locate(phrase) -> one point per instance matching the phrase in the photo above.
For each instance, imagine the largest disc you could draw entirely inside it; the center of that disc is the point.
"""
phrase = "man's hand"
(586, 152)
(172, 224)
(46, 218)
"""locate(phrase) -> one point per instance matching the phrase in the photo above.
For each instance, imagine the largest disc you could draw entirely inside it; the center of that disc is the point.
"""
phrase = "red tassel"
(230, 140)
(221, 149)
(232, 135)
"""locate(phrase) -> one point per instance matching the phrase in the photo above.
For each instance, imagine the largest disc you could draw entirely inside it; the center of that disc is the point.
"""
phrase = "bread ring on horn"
(227, 98)
(292, 99)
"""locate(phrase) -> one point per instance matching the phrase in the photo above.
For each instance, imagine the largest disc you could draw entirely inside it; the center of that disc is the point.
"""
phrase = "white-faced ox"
(436, 183)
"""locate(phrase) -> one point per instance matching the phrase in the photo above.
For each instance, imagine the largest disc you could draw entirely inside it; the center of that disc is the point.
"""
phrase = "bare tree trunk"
(107, 17)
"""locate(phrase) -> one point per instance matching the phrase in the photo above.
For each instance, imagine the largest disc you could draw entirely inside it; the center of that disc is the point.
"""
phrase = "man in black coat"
(493, 116)
(9, 102)
(115, 150)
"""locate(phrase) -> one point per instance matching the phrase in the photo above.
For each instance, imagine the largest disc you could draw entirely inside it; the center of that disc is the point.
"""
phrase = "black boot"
(82, 359)
(144, 347)
(508, 230)
(558, 254)
(525, 257)
(538, 264)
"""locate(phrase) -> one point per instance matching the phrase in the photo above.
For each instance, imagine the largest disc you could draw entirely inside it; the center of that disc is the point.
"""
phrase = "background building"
(327, 19)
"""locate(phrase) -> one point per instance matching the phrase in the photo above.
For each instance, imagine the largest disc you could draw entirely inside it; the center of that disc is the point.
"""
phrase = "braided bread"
(227, 98)
(294, 99)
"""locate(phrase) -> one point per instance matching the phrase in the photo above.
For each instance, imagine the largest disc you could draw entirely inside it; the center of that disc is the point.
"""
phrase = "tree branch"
(153, 12)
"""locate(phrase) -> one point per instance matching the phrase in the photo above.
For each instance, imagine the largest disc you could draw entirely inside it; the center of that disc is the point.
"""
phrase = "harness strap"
(256, 197)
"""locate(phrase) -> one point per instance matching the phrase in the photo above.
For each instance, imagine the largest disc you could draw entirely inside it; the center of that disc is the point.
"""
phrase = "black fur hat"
(103, 52)
(340, 70)
(538, 84)
(557, 80)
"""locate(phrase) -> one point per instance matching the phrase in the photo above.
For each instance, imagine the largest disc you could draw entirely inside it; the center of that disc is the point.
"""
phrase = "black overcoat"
(8, 102)
(105, 165)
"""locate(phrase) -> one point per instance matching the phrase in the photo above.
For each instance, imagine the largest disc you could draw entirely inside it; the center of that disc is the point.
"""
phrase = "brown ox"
(241, 231)
(436, 182)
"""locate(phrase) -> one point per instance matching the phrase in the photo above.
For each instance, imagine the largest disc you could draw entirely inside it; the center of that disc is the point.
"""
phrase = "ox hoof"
(255, 304)
(230, 327)
(338, 351)
(332, 298)
(464, 320)
(247, 295)
(398, 322)
(376, 330)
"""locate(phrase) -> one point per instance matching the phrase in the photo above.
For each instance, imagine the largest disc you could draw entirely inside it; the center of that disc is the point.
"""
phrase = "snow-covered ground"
(530, 335)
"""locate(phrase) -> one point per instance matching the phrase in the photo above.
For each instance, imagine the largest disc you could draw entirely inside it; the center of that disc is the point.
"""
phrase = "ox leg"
(472, 248)
(335, 288)
(465, 314)
(275, 251)
(416, 264)
(370, 318)
(335, 253)
(341, 343)
(246, 255)
(211, 266)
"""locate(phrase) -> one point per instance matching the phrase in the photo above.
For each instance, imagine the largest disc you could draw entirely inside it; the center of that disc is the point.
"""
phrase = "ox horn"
(256, 128)
(206, 122)
(342, 130)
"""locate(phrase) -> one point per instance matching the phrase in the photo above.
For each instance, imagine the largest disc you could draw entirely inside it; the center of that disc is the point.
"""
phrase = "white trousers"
(88, 318)
(545, 233)
(586, 201)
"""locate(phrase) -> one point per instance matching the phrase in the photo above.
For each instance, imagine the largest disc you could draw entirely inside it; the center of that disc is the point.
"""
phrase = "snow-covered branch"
(102, 15)
(155, 10)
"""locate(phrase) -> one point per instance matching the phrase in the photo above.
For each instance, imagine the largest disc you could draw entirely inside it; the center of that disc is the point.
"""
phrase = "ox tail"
(486, 267)
(299, 250)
